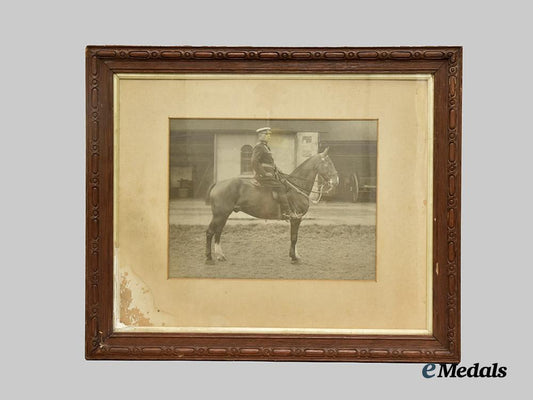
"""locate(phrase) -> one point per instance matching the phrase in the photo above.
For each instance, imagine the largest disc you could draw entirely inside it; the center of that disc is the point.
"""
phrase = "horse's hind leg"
(218, 233)
(209, 237)
(215, 229)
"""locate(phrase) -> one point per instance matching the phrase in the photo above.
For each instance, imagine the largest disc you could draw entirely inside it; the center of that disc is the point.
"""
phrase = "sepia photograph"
(272, 199)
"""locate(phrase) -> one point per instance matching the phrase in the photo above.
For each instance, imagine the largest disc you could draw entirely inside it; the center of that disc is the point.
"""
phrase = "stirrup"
(290, 215)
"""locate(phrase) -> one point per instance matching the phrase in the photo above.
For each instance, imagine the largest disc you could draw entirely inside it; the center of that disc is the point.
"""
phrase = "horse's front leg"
(295, 226)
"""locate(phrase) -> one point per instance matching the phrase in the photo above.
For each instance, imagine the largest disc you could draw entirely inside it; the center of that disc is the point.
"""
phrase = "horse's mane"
(304, 164)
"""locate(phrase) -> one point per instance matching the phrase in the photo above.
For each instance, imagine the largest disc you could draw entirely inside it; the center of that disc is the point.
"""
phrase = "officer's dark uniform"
(266, 174)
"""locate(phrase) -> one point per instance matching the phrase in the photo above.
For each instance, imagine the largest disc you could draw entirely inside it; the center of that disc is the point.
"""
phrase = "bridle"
(324, 188)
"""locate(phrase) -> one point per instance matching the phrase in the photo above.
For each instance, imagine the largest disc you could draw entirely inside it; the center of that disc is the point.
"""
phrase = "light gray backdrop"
(42, 200)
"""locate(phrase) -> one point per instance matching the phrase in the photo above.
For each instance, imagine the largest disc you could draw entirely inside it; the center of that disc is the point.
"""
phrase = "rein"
(305, 194)
(298, 189)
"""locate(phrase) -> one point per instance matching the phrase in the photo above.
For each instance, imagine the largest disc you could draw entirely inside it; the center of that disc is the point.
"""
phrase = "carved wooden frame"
(444, 63)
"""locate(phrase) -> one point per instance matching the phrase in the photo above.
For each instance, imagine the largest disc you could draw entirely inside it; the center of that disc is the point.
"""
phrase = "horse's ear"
(325, 152)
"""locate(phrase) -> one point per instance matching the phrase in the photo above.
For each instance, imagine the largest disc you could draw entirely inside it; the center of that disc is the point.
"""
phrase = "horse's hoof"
(221, 258)
(296, 261)
(210, 261)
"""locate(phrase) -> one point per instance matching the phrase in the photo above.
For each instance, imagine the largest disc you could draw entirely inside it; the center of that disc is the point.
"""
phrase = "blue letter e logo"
(426, 371)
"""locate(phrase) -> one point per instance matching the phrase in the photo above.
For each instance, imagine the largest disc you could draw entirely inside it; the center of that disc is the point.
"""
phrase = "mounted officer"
(266, 172)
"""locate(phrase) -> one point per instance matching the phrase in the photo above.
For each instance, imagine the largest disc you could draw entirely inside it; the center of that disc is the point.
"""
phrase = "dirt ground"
(261, 251)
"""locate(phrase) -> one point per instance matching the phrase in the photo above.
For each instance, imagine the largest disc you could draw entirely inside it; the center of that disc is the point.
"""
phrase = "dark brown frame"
(444, 63)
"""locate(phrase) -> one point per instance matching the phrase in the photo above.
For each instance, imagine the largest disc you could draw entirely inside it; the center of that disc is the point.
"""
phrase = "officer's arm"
(256, 157)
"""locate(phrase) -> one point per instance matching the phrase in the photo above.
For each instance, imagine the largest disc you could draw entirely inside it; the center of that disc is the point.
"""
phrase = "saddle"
(274, 186)
(258, 184)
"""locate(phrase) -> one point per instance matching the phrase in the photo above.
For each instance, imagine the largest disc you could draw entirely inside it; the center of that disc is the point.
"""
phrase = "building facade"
(203, 152)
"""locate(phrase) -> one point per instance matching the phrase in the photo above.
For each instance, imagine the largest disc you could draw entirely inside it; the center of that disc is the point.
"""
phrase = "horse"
(245, 195)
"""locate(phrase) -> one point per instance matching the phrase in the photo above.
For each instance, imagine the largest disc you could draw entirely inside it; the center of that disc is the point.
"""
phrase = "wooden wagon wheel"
(354, 188)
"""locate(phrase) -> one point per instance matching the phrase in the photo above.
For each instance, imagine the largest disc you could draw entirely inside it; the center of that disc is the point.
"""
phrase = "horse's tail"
(208, 197)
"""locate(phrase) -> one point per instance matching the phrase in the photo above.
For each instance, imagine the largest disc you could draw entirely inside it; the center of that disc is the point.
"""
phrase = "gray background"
(42, 201)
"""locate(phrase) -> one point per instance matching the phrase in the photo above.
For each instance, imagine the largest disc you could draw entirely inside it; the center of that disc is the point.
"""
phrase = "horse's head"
(327, 171)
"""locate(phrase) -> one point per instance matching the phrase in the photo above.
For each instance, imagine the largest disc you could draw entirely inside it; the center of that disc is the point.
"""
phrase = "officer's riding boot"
(286, 212)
